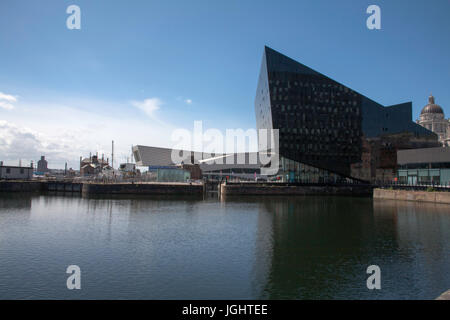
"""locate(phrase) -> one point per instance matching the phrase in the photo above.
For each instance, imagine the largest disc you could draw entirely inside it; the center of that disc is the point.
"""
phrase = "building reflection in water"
(13, 201)
(423, 236)
(319, 246)
(16, 207)
(323, 245)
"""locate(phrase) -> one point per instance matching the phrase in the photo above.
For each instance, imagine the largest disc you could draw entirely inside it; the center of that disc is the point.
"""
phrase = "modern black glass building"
(323, 125)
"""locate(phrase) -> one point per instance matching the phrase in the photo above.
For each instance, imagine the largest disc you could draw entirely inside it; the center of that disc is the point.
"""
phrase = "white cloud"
(188, 101)
(6, 101)
(63, 132)
(149, 106)
(23, 143)
(5, 105)
(7, 97)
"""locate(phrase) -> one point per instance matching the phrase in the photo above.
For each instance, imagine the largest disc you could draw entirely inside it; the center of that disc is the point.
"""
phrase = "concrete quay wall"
(407, 195)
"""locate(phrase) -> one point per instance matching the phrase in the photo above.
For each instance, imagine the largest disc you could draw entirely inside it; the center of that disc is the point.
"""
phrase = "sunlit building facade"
(433, 118)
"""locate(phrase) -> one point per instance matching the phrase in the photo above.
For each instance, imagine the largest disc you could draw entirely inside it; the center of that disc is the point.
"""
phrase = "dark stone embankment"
(154, 188)
(269, 189)
(21, 186)
(142, 188)
(102, 188)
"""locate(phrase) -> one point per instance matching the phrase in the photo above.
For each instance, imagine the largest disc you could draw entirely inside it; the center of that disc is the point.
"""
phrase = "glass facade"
(172, 175)
(319, 120)
(293, 171)
(424, 176)
(322, 124)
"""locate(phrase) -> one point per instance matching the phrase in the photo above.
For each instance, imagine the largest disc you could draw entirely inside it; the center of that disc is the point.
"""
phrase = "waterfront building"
(195, 172)
(174, 174)
(93, 166)
(327, 131)
(199, 164)
(424, 166)
(15, 173)
(145, 156)
(42, 165)
(432, 117)
(127, 167)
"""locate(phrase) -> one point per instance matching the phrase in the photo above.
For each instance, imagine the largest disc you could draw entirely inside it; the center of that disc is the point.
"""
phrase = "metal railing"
(413, 186)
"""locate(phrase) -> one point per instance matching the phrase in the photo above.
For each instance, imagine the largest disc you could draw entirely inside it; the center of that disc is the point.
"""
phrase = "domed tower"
(432, 118)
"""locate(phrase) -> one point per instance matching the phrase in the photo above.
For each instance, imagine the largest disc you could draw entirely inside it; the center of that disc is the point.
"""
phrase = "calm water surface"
(241, 248)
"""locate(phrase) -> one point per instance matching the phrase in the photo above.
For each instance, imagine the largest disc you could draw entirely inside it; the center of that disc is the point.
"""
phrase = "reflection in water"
(423, 232)
(167, 247)
(319, 247)
(322, 247)
(11, 201)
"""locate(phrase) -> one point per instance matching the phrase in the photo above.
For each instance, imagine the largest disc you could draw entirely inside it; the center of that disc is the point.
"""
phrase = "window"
(22, 171)
(8, 170)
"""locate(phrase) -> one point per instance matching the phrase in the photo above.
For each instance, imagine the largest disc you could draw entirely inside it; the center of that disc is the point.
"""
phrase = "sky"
(138, 70)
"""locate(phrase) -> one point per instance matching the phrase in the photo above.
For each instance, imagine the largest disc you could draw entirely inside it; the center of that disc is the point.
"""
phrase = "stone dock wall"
(410, 195)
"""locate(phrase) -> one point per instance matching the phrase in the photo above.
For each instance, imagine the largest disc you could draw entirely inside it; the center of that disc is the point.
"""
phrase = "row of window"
(289, 122)
(290, 80)
(317, 108)
(8, 171)
(329, 149)
(295, 171)
(318, 131)
(292, 96)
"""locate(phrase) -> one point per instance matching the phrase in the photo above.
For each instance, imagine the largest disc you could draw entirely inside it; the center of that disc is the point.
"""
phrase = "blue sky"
(76, 90)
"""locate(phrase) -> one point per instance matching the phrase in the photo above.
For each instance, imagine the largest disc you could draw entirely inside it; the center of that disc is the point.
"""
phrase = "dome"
(431, 107)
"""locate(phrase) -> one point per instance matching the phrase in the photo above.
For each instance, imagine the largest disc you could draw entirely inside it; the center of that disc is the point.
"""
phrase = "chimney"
(112, 155)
